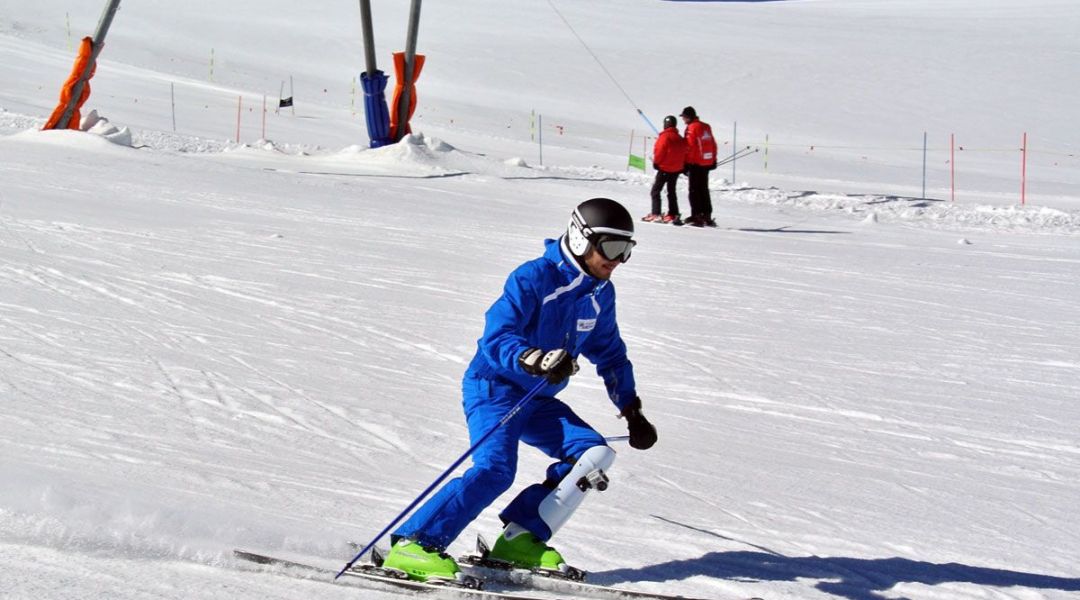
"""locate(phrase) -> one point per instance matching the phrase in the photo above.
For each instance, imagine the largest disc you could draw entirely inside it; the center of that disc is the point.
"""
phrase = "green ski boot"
(420, 563)
(526, 551)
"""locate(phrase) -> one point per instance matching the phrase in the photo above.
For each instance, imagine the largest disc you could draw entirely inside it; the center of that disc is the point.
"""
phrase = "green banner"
(637, 162)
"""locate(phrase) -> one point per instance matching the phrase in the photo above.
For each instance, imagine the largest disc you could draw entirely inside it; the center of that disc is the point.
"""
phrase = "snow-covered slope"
(205, 345)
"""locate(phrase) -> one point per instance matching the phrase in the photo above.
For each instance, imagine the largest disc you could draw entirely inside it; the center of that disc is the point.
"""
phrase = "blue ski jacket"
(549, 303)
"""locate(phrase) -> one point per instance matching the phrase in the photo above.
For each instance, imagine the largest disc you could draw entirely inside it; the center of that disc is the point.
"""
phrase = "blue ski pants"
(544, 422)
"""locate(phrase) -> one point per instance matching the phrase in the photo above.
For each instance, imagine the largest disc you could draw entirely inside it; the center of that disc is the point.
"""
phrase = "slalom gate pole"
(1023, 171)
(952, 167)
(766, 152)
(923, 166)
(506, 418)
(734, 144)
(540, 136)
(172, 99)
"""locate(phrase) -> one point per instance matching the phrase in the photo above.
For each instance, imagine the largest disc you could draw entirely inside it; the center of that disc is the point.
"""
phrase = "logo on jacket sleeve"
(586, 324)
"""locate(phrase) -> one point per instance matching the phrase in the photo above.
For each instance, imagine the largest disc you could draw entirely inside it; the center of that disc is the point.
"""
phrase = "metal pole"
(734, 145)
(540, 136)
(1023, 171)
(410, 59)
(952, 167)
(98, 42)
(369, 37)
(172, 98)
(923, 165)
(766, 152)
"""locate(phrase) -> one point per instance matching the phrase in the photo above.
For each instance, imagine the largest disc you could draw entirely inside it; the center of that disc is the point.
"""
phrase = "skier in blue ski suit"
(552, 309)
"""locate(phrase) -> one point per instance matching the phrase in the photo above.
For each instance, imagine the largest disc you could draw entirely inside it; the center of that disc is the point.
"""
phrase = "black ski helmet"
(688, 112)
(669, 121)
(595, 219)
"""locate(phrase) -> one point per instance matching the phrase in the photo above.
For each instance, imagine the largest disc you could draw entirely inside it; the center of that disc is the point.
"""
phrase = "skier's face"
(600, 267)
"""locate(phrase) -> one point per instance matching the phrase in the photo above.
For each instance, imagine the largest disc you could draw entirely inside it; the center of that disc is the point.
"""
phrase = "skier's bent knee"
(589, 472)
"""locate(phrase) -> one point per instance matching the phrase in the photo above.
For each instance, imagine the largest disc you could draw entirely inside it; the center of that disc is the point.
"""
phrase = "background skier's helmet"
(669, 121)
(603, 224)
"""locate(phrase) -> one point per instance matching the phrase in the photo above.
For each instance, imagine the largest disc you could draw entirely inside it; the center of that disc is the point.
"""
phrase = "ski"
(677, 222)
(570, 582)
(370, 576)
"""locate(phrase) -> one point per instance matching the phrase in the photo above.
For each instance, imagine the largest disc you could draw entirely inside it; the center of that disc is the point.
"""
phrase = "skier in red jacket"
(669, 159)
(700, 159)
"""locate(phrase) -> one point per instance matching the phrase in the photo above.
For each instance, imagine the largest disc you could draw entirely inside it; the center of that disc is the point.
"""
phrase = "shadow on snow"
(854, 578)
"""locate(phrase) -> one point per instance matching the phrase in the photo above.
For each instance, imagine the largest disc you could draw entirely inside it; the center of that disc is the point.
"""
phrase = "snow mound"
(417, 149)
(98, 125)
(937, 214)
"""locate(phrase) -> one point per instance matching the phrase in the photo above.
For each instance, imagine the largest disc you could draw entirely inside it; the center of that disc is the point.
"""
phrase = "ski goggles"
(615, 248)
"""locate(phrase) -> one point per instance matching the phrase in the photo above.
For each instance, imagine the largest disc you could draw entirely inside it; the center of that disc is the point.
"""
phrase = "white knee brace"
(589, 472)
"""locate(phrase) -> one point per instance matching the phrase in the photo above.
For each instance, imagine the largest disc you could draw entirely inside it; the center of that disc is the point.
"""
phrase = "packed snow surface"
(861, 392)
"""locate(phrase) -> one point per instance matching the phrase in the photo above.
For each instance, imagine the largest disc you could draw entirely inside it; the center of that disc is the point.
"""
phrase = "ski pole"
(509, 415)
(747, 151)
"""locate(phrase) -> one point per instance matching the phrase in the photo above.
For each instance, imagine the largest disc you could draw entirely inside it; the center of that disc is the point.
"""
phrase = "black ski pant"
(700, 201)
(665, 179)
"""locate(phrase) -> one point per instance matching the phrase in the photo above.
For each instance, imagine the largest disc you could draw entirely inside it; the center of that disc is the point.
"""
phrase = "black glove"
(655, 167)
(642, 432)
(554, 365)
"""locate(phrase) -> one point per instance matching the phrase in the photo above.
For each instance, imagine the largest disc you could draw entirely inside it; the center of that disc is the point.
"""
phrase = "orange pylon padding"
(399, 88)
(85, 50)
